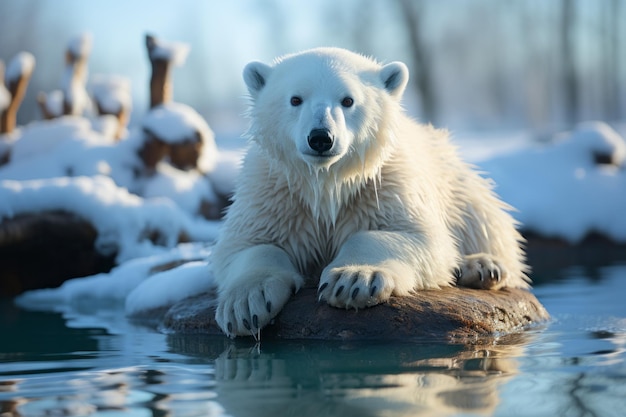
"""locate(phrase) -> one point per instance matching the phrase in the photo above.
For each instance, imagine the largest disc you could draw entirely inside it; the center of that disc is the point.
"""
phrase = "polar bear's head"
(325, 107)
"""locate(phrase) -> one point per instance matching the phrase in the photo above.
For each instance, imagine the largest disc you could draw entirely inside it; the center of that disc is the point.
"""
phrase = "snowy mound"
(134, 283)
(560, 189)
(76, 146)
(112, 93)
(175, 123)
(126, 224)
(69, 146)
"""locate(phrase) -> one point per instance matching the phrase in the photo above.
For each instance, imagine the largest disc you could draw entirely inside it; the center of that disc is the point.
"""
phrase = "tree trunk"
(161, 79)
(571, 93)
(421, 64)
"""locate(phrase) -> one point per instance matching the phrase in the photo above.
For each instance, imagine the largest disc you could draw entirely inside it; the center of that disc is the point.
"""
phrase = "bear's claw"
(481, 271)
(245, 309)
(355, 287)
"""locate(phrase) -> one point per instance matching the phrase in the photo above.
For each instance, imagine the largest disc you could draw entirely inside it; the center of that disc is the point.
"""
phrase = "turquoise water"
(96, 363)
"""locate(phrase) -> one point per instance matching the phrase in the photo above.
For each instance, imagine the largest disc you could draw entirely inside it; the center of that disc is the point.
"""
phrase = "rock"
(450, 313)
(42, 250)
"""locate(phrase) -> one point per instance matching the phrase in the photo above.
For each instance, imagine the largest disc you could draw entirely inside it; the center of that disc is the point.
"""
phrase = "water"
(95, 363)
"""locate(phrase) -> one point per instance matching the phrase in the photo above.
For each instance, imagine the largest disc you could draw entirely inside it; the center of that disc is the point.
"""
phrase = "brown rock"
(42, 250)
(451, 314)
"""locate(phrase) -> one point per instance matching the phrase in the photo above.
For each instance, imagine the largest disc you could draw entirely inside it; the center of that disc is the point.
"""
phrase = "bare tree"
(420, 57)
(611, 56)
(571, 91)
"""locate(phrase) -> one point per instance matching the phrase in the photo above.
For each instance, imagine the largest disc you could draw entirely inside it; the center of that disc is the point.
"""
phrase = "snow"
(22, 64)
(168, 287)
(559, 191)
(124, 221)
(74, 92)
(5, 98)
(114, 287)
(69, 146)
(74, 78)
(76, 146)
(42, 138)
(189, 191)
(175, 52)
(177, 123)
(111, 92)
(53, 101)
(80, 46)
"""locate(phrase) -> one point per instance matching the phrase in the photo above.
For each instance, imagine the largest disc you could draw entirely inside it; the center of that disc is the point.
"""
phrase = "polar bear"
(340, 189)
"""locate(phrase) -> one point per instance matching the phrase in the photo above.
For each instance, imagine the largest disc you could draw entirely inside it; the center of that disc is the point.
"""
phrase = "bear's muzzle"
(320, 140)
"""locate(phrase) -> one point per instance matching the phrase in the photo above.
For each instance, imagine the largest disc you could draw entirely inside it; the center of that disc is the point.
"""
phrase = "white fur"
(390, 209)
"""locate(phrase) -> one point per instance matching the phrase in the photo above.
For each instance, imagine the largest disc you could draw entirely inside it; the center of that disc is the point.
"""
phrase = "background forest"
(481, 64)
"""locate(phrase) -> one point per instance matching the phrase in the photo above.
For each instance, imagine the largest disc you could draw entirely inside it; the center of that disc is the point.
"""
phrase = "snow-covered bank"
(561, 190)
(127, 224)
(138, 283)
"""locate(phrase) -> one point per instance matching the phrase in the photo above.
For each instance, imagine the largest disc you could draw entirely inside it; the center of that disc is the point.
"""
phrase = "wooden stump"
(17, 89)
(161, 89)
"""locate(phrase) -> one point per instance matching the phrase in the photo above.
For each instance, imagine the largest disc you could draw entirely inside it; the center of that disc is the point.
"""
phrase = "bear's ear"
(255, 75)
(395, 76)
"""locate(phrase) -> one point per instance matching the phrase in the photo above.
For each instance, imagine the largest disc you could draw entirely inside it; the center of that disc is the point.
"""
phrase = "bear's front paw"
(481, 271)
(355, 286)
(244, 310)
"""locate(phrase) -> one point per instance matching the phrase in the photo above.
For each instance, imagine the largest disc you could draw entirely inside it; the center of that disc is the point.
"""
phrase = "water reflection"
(95, 362)
(315, 378)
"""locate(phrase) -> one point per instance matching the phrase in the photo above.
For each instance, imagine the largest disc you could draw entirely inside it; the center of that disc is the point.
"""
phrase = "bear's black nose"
(320, 140)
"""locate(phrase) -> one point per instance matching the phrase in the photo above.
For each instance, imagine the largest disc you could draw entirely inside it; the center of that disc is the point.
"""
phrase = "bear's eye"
(295, 101)
(347, 102)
